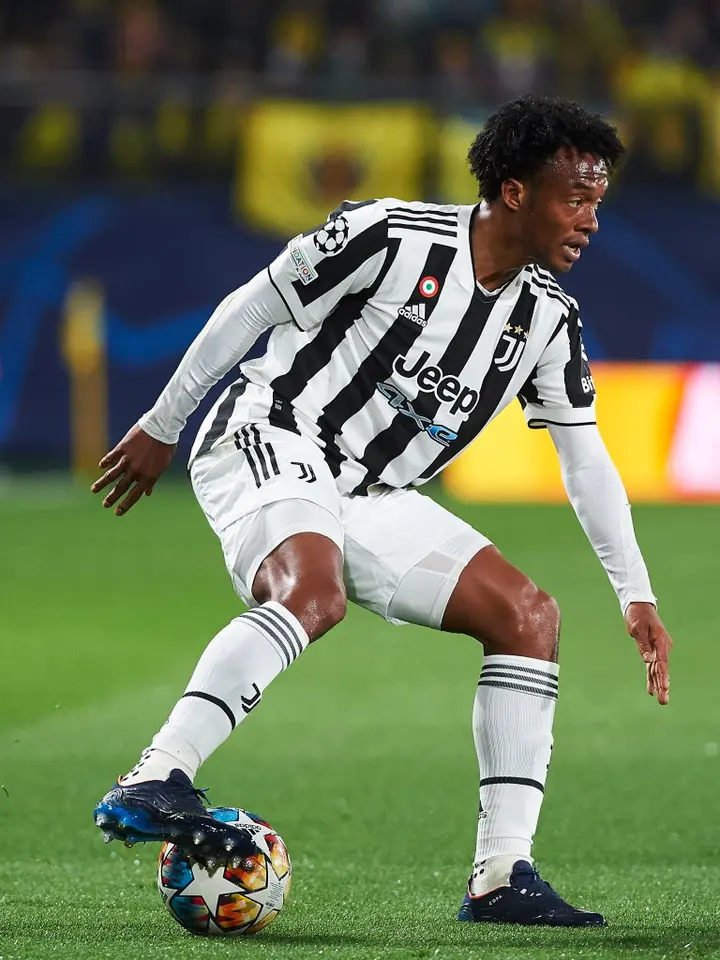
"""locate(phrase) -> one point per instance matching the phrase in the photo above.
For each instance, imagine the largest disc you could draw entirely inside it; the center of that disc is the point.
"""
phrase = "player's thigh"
(404, 554)
(262, 490)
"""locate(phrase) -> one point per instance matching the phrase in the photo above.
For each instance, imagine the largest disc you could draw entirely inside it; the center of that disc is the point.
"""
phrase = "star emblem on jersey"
(518, 331)
(331, 238)
(428, 287)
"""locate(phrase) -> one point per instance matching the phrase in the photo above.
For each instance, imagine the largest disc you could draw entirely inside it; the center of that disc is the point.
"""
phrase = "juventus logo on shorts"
(260, 456)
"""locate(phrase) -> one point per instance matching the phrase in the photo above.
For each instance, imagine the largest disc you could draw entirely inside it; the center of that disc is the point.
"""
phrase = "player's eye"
(576, 202)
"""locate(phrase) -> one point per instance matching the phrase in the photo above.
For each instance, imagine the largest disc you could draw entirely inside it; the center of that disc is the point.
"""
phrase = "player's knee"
(537, 623)
(534, 624)
(319, 606)
(305, 575)
(317, 600)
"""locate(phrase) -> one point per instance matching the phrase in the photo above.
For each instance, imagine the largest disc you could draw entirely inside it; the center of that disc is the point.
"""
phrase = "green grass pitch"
(361, 755)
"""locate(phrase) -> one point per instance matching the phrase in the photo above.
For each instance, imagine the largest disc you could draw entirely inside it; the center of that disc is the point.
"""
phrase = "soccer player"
(398, 332)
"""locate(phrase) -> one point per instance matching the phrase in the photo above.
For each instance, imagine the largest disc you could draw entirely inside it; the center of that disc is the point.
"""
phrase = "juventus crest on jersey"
(395, 358)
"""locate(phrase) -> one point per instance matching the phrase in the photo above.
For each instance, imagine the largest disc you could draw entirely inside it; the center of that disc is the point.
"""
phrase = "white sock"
(512, 724)
(228, 682)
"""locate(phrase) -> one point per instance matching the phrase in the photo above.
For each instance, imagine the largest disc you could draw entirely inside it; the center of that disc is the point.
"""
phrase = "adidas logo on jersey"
(414, 312)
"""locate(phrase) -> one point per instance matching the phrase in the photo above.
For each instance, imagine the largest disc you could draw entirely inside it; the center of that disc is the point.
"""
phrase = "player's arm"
(560, 396)
(302, 286)
(598, 497)
(137, 462)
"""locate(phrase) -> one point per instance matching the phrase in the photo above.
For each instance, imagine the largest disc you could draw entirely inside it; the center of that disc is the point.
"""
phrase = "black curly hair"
(524, 134)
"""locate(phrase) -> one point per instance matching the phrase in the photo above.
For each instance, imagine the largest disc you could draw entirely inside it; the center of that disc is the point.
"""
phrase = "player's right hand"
(136, 464)
(654, 644)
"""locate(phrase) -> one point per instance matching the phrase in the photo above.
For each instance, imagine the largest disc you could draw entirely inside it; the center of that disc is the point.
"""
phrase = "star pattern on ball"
(211, 886)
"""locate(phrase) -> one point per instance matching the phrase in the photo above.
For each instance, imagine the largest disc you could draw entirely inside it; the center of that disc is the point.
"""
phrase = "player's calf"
(156, 799)
(513, 713)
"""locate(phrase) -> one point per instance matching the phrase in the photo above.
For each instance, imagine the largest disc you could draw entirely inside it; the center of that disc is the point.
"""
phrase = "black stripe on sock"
(509, 666)
(216, 700)
(285, 627)
(256, 617)
(536, 691)
(520, 781)
(499, 673)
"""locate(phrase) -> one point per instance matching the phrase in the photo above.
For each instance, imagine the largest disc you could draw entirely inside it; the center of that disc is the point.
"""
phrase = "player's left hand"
(134, 466)
(654, 643)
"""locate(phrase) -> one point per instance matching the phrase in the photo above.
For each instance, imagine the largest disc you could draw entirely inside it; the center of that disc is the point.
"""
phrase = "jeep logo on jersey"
(398, 401)
(431, 379)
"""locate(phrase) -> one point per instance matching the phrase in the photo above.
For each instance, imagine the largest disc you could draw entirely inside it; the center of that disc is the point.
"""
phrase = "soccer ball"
(228, 900)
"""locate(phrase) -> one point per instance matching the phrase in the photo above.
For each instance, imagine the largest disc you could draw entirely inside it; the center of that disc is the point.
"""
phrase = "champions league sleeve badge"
(331, 238)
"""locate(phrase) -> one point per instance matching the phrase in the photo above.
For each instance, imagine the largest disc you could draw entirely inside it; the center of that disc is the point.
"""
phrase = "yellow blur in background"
(659, 422)
(306, 157)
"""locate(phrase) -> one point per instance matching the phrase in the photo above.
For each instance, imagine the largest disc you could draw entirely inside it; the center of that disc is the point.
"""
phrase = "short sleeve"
(343, 256)
(560, 390)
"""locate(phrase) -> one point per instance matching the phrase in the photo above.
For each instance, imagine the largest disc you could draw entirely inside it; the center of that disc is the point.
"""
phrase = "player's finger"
(661, 644)
(121, 487)
(109, 476)
(111, 457)
(641, 636)
(661, 679)
(130, 500)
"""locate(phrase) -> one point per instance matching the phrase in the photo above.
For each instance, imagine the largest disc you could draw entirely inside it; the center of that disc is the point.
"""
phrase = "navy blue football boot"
(527, 900)
(171, 810)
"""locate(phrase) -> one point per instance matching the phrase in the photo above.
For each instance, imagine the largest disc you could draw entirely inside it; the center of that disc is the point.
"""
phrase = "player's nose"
(589, 224)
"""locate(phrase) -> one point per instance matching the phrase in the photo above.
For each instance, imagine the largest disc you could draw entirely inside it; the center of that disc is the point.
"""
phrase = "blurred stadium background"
(155, 154)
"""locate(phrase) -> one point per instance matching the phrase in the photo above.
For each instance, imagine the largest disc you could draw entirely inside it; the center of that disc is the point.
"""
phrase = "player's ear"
(513, 194)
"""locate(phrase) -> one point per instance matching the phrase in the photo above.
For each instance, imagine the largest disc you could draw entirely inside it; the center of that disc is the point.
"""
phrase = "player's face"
(561, 210)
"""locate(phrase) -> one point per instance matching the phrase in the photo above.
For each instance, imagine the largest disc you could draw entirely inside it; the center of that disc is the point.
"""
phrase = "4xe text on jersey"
(398, 401)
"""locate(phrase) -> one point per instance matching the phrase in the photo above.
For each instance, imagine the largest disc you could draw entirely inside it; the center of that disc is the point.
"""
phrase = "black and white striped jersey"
(396, 359)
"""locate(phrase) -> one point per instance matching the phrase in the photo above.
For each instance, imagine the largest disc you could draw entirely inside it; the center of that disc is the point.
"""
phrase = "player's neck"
(496, 252)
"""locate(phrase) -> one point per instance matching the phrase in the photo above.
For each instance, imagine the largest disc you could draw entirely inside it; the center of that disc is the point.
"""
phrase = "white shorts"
(403, 553)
